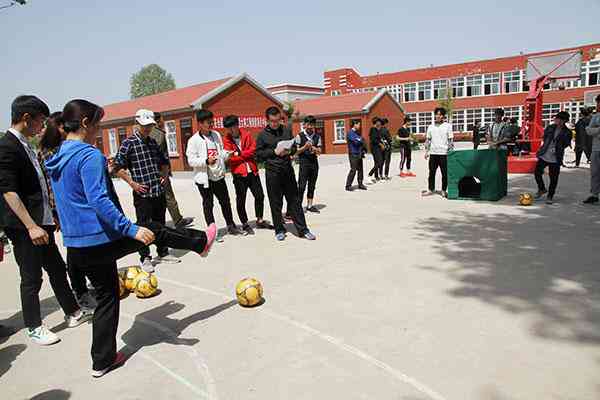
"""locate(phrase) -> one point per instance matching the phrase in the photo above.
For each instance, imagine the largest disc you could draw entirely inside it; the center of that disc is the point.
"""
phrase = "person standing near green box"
(440, 140)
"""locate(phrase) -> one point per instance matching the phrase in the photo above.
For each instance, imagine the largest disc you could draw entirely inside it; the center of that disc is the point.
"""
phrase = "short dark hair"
(440, 110)
(231, 121)
(51, 138)
(384, 121)
(157, 116)
(585, 112)
(75, 111)
(499, 111)
(309, 119)
(203, 115)
(376, 120)
(27, 105)
(563, 115)
(354, 122)
(272, 111)
(407, 119)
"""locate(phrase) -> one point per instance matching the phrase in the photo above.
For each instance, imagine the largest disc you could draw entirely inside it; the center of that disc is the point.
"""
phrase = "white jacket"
(197, 155)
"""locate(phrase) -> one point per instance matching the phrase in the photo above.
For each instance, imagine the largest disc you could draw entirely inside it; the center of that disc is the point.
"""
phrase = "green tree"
(448, 102)
(151, 79)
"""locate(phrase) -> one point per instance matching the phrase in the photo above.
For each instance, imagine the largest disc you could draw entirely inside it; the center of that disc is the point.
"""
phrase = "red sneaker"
(120, 359)
(402, 175)
(211, 234)
(411, 174)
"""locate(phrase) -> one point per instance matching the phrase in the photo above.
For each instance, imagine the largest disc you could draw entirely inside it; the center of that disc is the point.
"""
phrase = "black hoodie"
(266, 142)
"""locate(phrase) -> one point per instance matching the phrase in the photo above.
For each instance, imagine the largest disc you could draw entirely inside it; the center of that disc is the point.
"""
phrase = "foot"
(167, 259)
(549, 200)
(426, 193)
(540, 193)
(120, 359)
(349, 189)
(313, 209)
(374, 180)
(147, 265)
(6, 331)
(402, 175)
(87, 301)
(263, 224)
(247, 230)
(234, 230)
(309, 236)
(280, 236)
(444, 194)
(183, 222)
(362, 187)
(42, 336)
(591, 200)
(410, 174)
(211, 235)
(78, 318)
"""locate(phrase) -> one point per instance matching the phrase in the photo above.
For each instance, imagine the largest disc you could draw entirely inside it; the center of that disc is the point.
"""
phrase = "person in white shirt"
(205, 154)
(440, 140)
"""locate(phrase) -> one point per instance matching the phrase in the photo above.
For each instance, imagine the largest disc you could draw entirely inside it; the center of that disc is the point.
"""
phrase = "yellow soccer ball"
(249, 292)
(145, 285)
(129, 275)
(123, 292)
(525, 199)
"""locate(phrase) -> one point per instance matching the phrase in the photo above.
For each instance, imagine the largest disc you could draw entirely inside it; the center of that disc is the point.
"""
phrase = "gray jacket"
(593, 129)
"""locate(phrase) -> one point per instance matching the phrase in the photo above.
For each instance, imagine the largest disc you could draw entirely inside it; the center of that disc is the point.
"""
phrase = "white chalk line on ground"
(330, 339)
(202, 367)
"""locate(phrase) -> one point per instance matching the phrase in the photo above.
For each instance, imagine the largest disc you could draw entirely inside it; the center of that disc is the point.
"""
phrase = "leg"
(57, 275)
(539, 173)
(444, 170)
(402, 157)
(554, 172)
(290, 191)
(207, 203)
(275, 193)
(222, 193)
(388, 160)
(303, 176)
(578, 154)
(433, 164)
(77, 280)
(159, 209)
(352, 172)
(172, 205)
(259, 195)
(240, 183)
(379, 162)
(360, 170)
(143, 213)
(408, 154)
(312, 183)
(595, 174)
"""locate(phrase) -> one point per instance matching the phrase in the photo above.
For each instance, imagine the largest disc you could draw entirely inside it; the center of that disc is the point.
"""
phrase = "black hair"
(272, 111)
(309, 119)
(231, 121)
(157, 116)
(384, 121)
(52, 138)
(27, 105)
(499, 111)
(203, 115)
(585, 112)
(563, 115)
(440, 110)
(354, 122)
(77, 110)
(407, 119)
(376, 120)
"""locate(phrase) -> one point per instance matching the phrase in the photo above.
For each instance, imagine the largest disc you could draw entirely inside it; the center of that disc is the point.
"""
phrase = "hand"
(426, 155)
(212, 160)
(144, 235)
(236, 154)
(38, 235)
(139, 189)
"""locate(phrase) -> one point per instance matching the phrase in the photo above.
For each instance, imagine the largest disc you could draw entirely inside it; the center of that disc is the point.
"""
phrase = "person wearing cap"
(148, 168)
(242, 149)
(308, 142)
(593, 132)
(159, 135)
(557, 137)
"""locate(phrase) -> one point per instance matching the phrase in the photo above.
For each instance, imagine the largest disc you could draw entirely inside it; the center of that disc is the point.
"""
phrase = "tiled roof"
(344, 104)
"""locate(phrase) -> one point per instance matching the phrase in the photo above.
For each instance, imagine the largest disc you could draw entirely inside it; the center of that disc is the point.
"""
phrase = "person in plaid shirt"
(148, 174)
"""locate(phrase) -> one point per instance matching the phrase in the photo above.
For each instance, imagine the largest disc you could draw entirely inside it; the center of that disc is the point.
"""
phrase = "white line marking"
(335, 341)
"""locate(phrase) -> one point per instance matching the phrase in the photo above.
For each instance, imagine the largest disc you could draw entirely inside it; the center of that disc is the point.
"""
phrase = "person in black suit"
(27, 220)
(377, 148)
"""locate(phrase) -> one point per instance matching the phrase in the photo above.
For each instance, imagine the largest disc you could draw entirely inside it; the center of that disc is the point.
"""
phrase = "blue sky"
(63, 49)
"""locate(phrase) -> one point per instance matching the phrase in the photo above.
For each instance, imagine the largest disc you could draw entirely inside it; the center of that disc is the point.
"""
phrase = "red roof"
(167, 101)
(326, 105)
(294, 87)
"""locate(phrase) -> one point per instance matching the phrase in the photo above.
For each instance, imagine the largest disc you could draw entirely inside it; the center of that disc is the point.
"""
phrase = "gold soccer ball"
(129, 275)
(123, 292)
(525, 199)
(145, 285)
(249, 292)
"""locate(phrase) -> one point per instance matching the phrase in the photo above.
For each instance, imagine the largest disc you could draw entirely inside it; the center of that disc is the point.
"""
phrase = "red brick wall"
(387, 108)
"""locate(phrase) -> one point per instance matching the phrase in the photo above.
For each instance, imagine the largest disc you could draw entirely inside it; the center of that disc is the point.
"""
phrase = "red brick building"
(334, 114)
(240, 95)
(477, 88)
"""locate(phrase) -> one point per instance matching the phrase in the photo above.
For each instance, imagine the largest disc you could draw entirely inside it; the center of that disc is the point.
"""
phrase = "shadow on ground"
(55, 394)
(540, 260)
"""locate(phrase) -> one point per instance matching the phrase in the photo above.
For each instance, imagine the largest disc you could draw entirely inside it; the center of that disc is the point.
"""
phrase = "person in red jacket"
(242, 147)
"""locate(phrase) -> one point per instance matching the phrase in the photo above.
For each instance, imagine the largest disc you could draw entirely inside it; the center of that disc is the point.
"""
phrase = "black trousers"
(579, 152)
(435, 161)
(218, 189)
(307, 175)
(553, 171)
(356, 167)
(280, 184)
(77, 280)
(476, 144)
(99, 264)
(405, 157)
(150, 209)
(387, 160)
(242, 184)
(31, 260)
(377, 169)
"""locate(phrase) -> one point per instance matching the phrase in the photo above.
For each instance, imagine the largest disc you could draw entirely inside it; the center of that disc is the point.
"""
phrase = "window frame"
(113, 146)
(336, 139)
(175, 152)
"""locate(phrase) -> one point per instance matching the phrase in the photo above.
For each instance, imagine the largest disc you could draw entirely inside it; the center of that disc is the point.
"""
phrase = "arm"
(263, 151)
(249, 153)
(450, 138)
(593, 128)
(195, 154)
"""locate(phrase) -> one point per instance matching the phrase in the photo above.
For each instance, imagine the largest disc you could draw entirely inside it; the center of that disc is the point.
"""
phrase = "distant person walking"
(405, 149)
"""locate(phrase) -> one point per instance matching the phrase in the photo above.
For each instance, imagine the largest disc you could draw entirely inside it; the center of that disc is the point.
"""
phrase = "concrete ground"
(399, 298)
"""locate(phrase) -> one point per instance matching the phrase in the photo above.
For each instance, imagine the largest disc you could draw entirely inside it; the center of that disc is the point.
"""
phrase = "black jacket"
(386, 138)
(581, 136)
(266, 142)
(375, 139)
(562, 142)
(17, 174)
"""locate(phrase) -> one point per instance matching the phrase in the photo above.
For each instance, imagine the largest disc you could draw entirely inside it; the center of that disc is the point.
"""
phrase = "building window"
(593, 72)
(474, 85)
(458, 87)
(491, 84)
(440, 89)
(548, 113)
(424, 119)
(340, 131)
(512, 82)
(122, 135)
(412, 126)
(513, 112)
(488, 116)
(113, 146)
(424, 90)
(171, 138)
(473, 115)
(410, 92)
(574, 109)
(458, 121)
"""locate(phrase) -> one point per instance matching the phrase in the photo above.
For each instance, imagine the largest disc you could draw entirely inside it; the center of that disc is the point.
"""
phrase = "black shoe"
(591, 200)
(264, 225)
(313, 209)
(234, 230)
(183, 222)
(6, 331)
(248, 230)
(349, 189)
(362, 187)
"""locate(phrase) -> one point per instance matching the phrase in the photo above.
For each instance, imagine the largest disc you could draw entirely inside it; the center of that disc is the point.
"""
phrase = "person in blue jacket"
(94, 228)
(356, 152)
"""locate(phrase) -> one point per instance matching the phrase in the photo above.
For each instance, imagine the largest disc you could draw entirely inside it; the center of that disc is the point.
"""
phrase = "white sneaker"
(147, 265)
(168, 259)
(80, 317)
(42, 336)
(87, 301)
